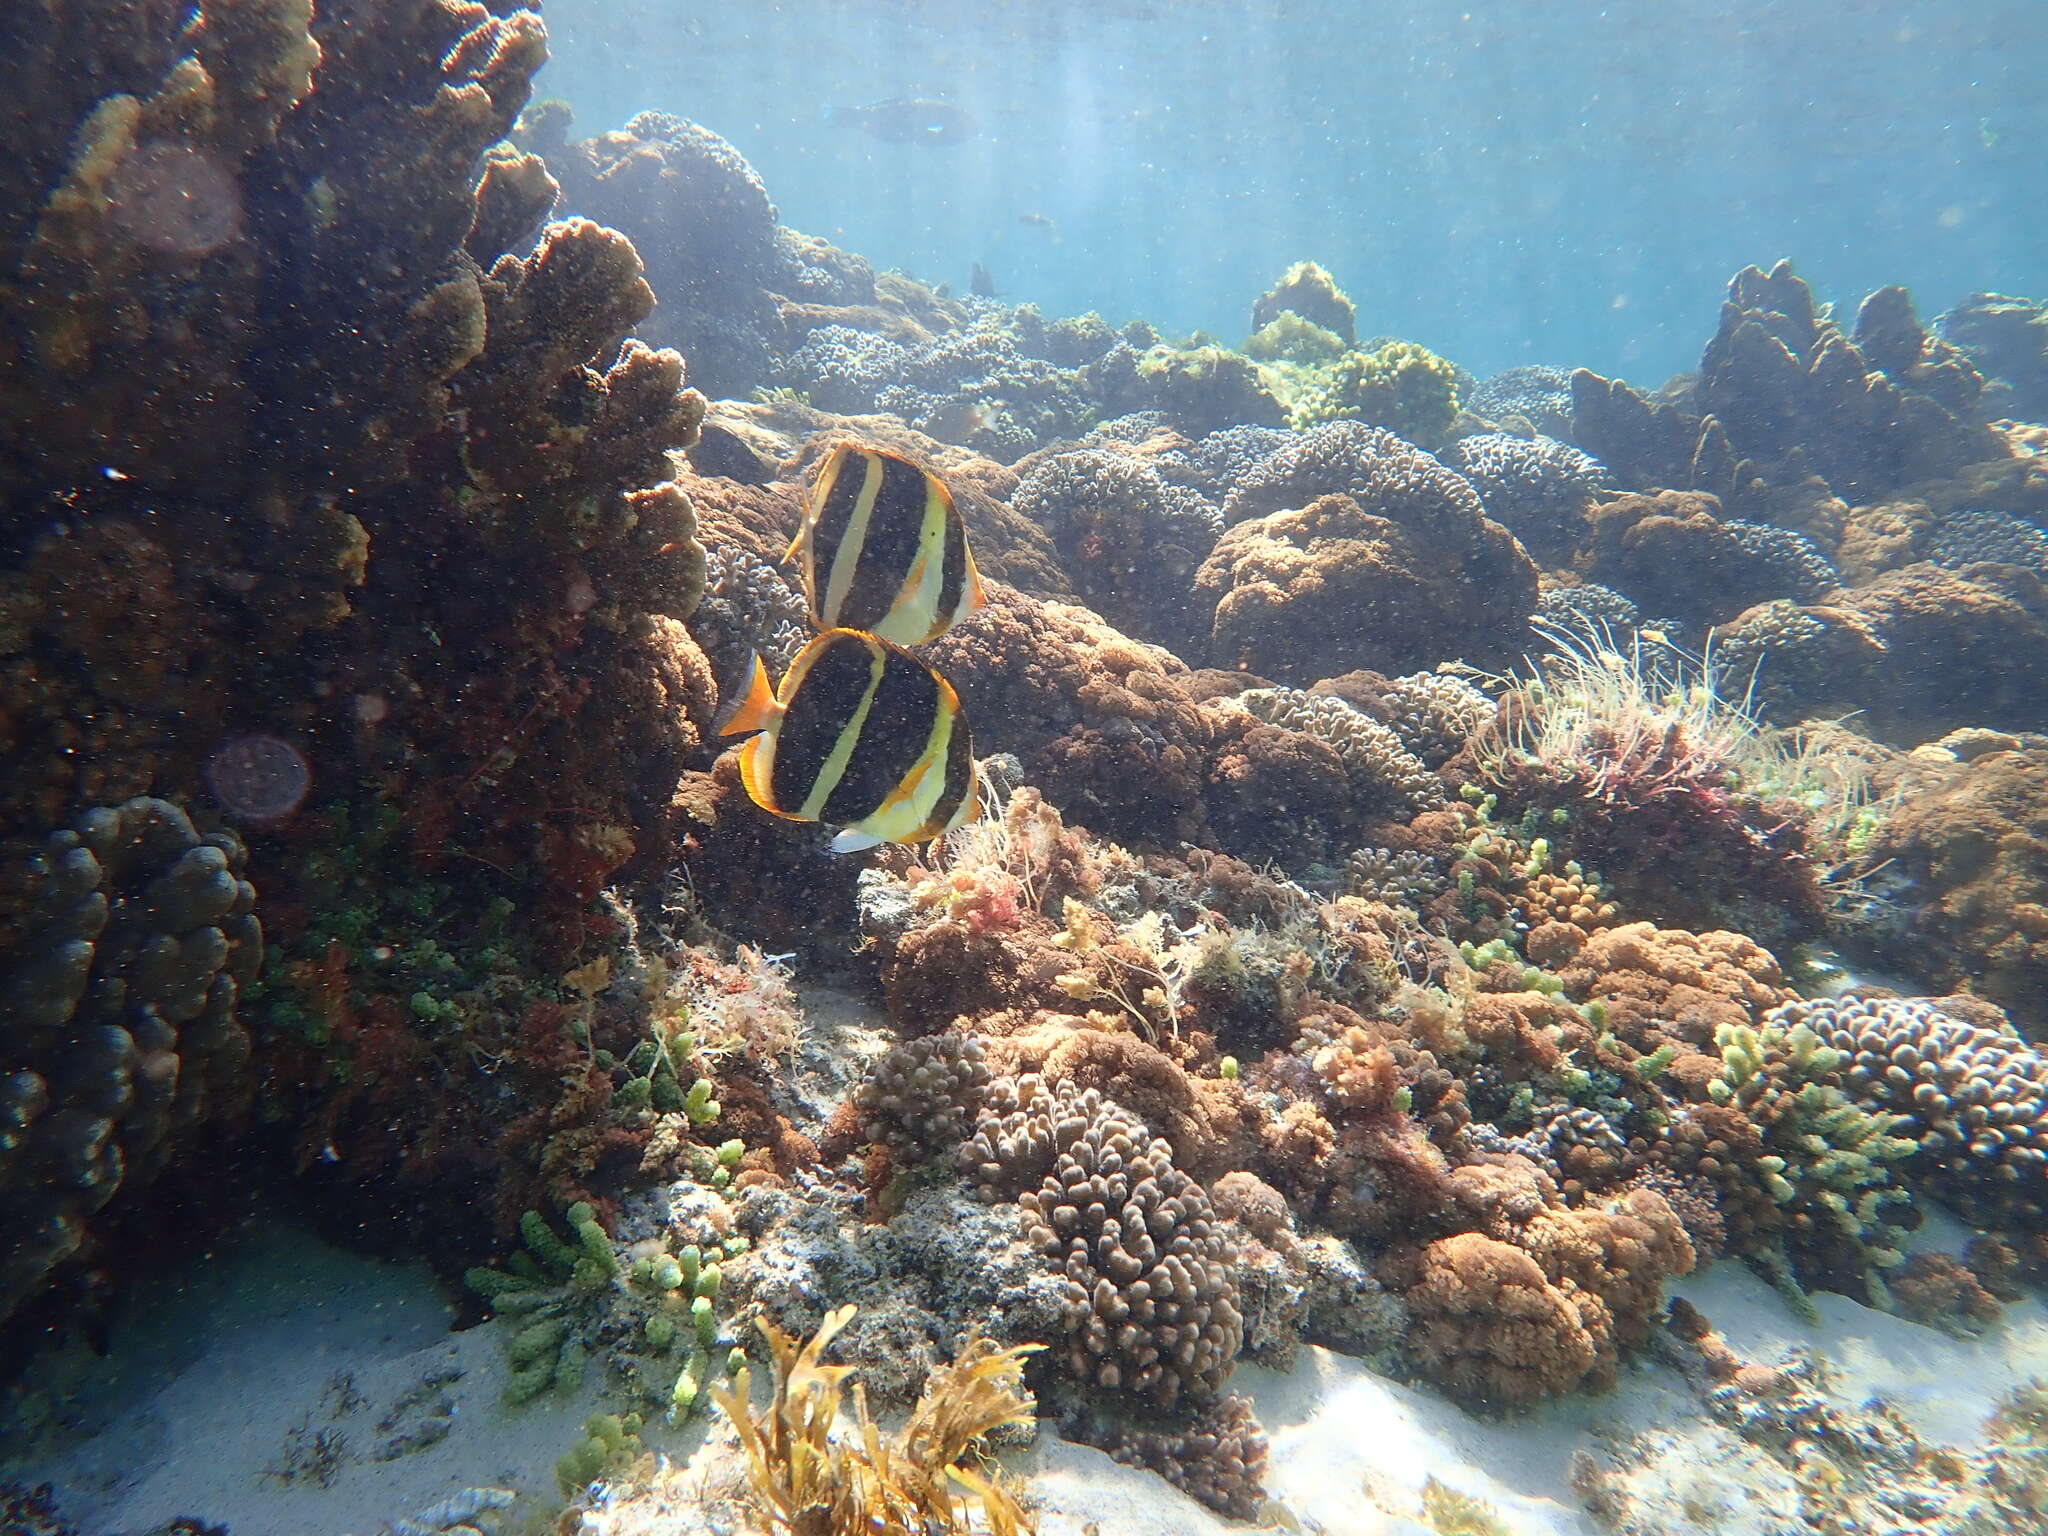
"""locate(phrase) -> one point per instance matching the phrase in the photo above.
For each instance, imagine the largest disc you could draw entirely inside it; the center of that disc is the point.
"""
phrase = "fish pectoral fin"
(796, 544)
(756, 708)
(851, 841)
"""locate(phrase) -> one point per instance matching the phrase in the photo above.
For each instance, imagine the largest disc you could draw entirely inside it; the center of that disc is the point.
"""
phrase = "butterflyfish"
(882, 548)
(860, 734)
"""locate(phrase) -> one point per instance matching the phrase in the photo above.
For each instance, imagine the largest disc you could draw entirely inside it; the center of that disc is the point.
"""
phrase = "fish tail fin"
(755, 710)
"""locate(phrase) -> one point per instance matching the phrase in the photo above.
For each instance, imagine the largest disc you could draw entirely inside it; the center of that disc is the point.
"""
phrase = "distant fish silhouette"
(908, 121)
(1035, 220)
(980, 283)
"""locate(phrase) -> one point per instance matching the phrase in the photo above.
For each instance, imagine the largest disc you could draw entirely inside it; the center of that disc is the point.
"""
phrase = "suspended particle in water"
(579, 595)
(259, 778)
(372, 708)
(177, 199)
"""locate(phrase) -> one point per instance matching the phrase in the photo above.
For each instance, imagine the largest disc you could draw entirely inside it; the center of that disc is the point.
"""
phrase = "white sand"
(206, 1379)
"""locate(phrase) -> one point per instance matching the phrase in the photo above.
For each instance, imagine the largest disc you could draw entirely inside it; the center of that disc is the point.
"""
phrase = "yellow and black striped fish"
(861, 734)
(883, 548)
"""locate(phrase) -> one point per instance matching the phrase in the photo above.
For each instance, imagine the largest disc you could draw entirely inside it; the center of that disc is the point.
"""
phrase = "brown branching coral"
(924, 1482)
(922, 1098)
(1151, 1307)
(1220, 1460)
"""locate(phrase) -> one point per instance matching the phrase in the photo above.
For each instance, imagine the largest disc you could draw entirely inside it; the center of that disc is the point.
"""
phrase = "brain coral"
(1352, 548)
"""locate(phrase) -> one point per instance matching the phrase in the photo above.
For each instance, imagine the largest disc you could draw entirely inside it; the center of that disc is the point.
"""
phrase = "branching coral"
(807, 1481)
(1825, 1160)
(1151, 1307)
(1972, 1098)
(924, 1096)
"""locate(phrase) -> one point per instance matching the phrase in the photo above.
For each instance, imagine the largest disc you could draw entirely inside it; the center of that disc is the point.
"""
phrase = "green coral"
(1287, 338)
(1207, 388)
(1310, 293)
(1400, 386)
(1447, 1512)
(557, 1285)
(1828, 1158)
(610, 1441)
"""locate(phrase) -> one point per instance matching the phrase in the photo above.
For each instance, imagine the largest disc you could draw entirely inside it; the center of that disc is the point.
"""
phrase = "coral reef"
(1970, 1097)
(1150, 1304)
(126, 941)
(924, 1097)
(1397, 385)
(1350, 548)
(1306, 290)
(1970, 845)
(1535, 393)
(1543, 1306)
(690, 202)
(1538, 488)
(2007, 339)
(1130, 539)
(1378, 763)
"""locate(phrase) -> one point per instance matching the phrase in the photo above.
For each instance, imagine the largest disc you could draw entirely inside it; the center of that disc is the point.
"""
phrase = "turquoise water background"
(1546, 181)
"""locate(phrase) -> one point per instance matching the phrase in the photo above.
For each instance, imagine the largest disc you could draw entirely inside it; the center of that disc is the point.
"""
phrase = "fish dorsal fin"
(757, 709)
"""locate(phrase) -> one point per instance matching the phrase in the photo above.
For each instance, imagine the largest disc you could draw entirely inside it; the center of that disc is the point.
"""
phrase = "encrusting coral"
(1356, 549)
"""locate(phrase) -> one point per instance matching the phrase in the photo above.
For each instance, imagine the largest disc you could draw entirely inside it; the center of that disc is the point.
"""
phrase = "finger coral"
(924, 1096)
(1151, 1308)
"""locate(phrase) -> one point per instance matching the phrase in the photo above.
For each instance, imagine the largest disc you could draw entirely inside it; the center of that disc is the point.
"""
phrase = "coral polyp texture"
(128, 939)
(1352, 548)
(1418, 817)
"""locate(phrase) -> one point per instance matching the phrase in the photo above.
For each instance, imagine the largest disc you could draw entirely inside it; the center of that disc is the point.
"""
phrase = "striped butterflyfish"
(883, 549)
(861, 734)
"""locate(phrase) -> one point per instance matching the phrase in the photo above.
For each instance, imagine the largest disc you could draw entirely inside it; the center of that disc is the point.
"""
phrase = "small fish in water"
(980, 283)
(861, 734)
(883, 549)
(909, 121)
(1036, 221)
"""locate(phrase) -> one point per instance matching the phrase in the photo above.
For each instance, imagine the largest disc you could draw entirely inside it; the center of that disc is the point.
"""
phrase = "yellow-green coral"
(1289, 338)
(1400, 386)
(1827, 1157)
(1208, 388)
(1305, 289)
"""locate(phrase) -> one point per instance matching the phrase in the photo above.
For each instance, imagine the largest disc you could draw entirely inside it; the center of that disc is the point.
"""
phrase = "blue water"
(1506, 189)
